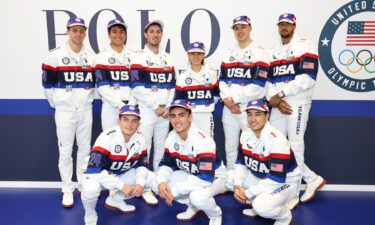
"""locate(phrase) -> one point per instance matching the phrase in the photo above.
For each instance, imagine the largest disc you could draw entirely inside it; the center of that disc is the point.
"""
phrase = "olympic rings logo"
(362, 62)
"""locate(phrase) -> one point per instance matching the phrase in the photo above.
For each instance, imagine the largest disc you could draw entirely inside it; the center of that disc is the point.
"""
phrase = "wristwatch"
(281, 94)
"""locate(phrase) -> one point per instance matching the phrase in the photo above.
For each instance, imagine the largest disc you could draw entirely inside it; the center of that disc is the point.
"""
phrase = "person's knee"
(262, 206)
(90, 189)
(200, 197)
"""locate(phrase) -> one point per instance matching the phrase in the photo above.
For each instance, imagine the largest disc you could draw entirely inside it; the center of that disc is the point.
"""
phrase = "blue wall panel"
(339, 140)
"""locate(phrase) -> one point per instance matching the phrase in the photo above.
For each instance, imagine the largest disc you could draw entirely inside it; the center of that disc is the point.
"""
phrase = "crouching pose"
(266, 174)
(118, 161)
(190, 172)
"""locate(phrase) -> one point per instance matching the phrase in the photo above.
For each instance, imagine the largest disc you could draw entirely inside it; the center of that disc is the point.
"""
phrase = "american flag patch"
(277, 167)
(205, 166)
(263, 73)
(308, 65)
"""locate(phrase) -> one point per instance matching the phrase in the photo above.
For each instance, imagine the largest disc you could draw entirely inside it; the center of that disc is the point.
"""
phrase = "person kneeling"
(190, 172)
(118, 161)
(266, 174)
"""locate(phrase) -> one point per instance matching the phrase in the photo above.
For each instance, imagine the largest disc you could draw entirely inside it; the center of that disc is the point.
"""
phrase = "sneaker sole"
(200, 212)
(316, 190)
(68, 206)
(252, 217)
(117, 209)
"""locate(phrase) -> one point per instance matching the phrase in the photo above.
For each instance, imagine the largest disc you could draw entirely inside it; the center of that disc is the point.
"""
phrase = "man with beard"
(293, 71)
(153, 83)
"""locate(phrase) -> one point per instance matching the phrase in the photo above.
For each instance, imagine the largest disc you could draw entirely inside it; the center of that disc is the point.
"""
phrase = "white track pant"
(91, 190)
(294, 126)
(198, 196)
(109, 116)
(204, 121)
(70, 125)
(271, 203)
(155, 129)
(233, 124)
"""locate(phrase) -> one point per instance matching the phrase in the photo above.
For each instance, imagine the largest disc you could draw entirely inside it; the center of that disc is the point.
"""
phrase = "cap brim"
(121, 24)
(286, 20)
(256, 107)
(155, 22)
(240, 22)
(77, 24)
(130, 113)
(195, 50)
(180, 106)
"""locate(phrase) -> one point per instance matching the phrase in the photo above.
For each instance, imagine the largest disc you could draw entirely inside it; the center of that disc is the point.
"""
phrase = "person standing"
(68, 81)
(293, 71)
(112, 72)
(243, 77)
(199, 85)
(153, 86)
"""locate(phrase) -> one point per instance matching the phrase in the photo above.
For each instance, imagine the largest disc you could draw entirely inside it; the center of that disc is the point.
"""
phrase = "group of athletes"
(266, 96)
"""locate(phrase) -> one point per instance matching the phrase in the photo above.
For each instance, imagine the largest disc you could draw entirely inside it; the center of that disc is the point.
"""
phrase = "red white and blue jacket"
(113, 79)
(112, 156)
(153, 78)
(244, 74)
(200, 89)
(293, 70)
(68, 79)
(268, 158)
(196, 156)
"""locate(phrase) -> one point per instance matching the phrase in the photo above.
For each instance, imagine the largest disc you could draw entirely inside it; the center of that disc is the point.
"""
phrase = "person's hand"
(137, 190)
(159, 111)
(285, 108)
(228, 102)
(169, 201)
(275, 100)
(239, 194)
(127, 190)
(165, 114)
(235, 109)
(165, 193)
(164, 190)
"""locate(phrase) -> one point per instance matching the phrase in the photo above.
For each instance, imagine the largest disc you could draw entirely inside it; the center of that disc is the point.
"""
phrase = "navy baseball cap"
(259, 104)
(183, 103)
(75, 21)
(196, 47)
(116, 22)
(130, 110)
(155, 22)
(241, 20)
(287, 17)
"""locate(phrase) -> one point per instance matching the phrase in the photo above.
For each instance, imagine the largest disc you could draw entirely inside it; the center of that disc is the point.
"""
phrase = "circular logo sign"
(347, 46)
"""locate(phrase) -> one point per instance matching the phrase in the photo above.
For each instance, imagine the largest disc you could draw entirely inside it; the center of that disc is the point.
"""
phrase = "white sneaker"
(189, 214)
(215, 221)
(121, 206)
(249, 213)
(149, 198)
(293, 203)
(312, 188)
(286, 221)
(67, 200)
